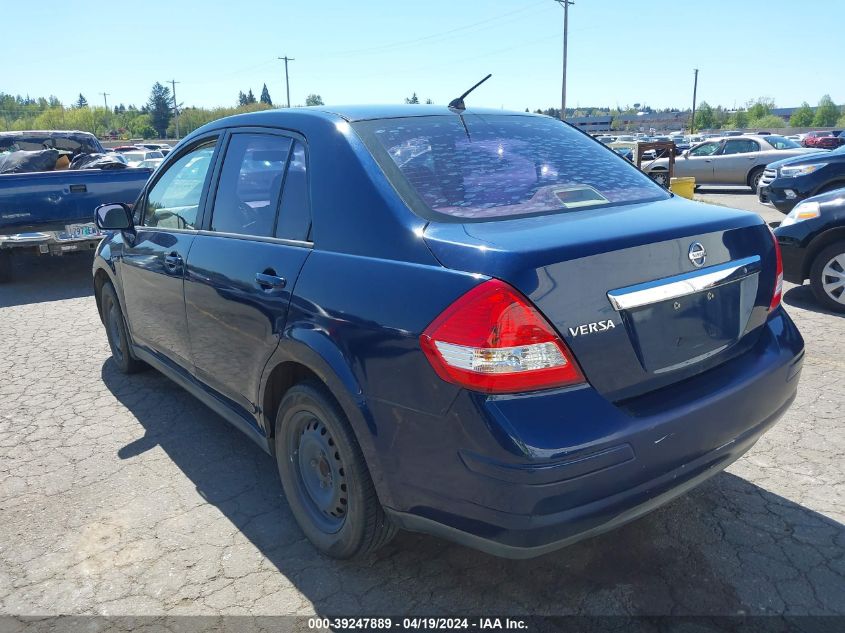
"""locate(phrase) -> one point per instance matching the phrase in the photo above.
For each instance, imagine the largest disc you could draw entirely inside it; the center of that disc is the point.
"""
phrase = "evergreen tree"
(314, 100)
(160, 108)
(250, 98)
(412, 99)
(265, 96)
(241, 98)
(82, 102)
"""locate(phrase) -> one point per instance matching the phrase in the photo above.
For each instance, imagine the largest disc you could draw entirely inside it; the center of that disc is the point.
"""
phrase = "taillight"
(778, 292)
(492, 339)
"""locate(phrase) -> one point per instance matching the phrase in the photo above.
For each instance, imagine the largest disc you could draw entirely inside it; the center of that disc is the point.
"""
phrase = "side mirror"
(685, 153)
(113, 217)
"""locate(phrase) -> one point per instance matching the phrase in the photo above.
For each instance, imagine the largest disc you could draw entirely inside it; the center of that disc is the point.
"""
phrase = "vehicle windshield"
(134, 156)
(501, 166)
(155, 154)
(781, 142)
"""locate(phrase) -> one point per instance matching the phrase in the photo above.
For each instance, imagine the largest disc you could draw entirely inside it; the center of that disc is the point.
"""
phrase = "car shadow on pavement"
(802, 297)
(728, 547)
(40, 279)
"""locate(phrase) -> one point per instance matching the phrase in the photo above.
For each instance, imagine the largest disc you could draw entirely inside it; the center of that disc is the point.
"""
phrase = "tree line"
(758, 114)
(153, 119)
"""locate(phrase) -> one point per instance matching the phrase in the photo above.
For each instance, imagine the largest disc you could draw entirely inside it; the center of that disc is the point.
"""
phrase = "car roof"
(354, 113)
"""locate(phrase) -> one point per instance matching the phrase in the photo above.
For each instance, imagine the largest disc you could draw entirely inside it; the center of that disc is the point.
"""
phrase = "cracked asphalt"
(126, 496)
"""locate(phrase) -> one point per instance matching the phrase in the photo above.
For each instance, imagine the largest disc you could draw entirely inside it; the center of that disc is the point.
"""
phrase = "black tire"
(325, 477)
(754, 178)
(5, 267)
(660, 177)
(828, 269)
(116, 333)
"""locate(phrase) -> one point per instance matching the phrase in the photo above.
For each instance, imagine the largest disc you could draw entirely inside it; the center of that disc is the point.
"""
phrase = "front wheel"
(5, 266)
(116, 332)
(827, 277)
(325, 477)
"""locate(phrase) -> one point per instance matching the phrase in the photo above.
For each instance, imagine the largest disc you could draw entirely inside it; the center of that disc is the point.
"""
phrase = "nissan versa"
(476, 324)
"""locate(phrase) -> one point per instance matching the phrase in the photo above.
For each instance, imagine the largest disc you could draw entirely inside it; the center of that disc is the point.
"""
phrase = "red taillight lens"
(493, 340)
(778, 293)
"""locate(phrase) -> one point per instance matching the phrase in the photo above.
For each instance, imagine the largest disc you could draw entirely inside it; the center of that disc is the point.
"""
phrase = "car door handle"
(172, 261)
(270, 281)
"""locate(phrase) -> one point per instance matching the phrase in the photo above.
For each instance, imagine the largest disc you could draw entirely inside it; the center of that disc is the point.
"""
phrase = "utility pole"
(694, 91)
(287, 84)
(565, 4)
(173, 83)
(105, 99)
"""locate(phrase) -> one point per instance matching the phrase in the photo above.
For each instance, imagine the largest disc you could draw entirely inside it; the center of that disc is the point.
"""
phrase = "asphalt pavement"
(124, 495)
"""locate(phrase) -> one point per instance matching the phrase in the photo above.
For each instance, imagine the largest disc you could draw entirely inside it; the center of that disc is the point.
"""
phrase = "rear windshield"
(496, 166)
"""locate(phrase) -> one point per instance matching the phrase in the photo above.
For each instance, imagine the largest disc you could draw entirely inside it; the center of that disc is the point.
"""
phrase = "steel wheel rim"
(320, 473)
(115, 334)
(833, 278)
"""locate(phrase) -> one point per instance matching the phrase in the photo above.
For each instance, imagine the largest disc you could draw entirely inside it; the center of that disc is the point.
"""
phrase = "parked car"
(823, 140)
(134, 159)
(52, 213)
(150, 163)
(121, 149)
(727, 161)
(475, 324)
(787, 182)
(812, 239)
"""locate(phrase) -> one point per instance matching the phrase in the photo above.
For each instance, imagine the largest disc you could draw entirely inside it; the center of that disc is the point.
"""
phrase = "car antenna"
(458, 104)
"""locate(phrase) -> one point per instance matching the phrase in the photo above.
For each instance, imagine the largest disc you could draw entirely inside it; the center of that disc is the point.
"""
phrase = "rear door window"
(481, 167)
(740, 146)
(247, 197)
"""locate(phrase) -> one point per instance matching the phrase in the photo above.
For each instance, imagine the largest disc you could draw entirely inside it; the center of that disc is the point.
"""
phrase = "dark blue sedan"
(476, 324)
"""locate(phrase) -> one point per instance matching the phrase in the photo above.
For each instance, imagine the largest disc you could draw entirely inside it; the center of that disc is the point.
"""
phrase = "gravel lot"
(125, 495)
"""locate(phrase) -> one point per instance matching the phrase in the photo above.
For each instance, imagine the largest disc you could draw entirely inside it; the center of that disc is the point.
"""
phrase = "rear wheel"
(325, 477)
(827, 277)
(754, 178)
(660, 177)
(116, 332)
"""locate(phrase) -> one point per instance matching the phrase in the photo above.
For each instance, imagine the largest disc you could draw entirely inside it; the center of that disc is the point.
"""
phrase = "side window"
(250, 182)
(173, 201)
(705, 149)
(741, 146)
(295, 213)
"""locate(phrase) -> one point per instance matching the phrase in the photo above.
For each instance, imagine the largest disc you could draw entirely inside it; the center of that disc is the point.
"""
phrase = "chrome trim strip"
(668, 288)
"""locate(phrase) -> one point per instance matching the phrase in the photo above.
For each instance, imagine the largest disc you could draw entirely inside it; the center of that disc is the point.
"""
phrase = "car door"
(735, 160)
(698, 162)
(153, 262)
(244, 263)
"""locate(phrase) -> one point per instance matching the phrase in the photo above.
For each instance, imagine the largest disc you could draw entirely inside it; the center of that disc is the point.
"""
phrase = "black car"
(812, 242)
(787, 182)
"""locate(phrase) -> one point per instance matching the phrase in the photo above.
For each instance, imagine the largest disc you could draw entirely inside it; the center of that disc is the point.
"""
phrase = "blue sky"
(381, 51)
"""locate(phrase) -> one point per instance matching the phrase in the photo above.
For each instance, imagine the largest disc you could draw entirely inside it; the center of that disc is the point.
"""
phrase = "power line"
(287, 83)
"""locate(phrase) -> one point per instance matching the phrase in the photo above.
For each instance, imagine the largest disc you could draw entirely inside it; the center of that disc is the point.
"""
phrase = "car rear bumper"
(587, 465)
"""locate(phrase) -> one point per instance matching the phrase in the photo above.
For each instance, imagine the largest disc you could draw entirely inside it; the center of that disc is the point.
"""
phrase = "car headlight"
(800, 170)
(802, 211)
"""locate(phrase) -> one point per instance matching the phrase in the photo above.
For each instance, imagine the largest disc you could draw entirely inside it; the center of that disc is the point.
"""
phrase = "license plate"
(81, 231)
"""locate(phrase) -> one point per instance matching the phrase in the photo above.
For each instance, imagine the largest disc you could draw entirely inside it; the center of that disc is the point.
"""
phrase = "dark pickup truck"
(51, 212)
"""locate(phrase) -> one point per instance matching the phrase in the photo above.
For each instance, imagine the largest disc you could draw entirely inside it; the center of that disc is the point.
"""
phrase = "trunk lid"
(621, 289)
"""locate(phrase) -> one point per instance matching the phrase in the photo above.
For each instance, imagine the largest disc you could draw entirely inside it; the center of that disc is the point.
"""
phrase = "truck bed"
(48, 201)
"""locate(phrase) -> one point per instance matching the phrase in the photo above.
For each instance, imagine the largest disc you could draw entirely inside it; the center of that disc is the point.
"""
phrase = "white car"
(150, 163)
(134, 159)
